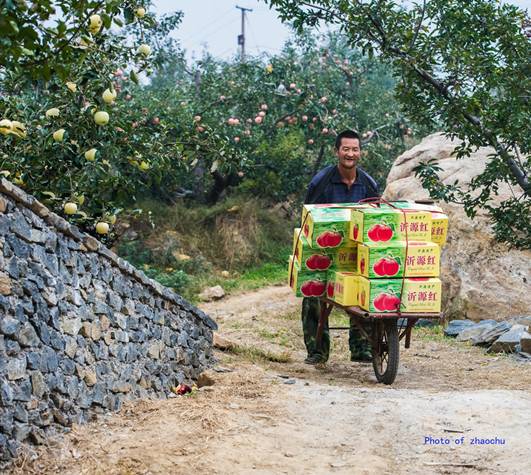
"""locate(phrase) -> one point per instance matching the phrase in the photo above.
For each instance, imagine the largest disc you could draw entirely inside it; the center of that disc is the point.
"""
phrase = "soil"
(267, 412)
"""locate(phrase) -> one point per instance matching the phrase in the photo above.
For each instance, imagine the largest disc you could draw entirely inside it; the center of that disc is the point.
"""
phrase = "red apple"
(318, 288)
(355, 232)
(379, 302)
(311, 262)
(390, 302)
(330, 290)
(335, 239)
(379, 268)
(373, 233)
(390, 266)
(384, 232)
(323, 262)
(307, 288)
(322, 239)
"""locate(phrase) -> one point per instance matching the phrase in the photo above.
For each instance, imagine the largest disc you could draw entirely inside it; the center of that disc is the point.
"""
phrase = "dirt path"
(268, 417)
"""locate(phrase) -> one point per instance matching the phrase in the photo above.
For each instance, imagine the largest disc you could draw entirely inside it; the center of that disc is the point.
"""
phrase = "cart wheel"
(385, 353)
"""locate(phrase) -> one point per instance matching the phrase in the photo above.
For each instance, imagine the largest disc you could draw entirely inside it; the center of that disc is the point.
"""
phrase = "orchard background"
(105, 121)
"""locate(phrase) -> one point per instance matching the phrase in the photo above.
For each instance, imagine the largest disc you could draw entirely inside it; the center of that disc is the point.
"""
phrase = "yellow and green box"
(327, 228)
(439, 228)
(345, 289)
(308, 208)
(346, 257)
(390, 260)
(439, 220)
(309, 259)
(419, 295)
(386, 224)
(304, 283)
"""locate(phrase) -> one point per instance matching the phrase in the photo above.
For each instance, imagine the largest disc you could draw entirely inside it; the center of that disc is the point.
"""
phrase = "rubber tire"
(390, 329)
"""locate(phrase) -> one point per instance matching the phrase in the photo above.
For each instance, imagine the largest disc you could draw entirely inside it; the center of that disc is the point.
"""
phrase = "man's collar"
(336, 177)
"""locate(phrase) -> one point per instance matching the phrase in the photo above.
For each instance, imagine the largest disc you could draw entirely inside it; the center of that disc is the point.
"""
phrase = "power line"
(201, 31)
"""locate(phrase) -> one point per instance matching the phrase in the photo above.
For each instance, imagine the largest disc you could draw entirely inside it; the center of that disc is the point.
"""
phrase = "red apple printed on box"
(396, 259)
(309, 259)
(329, 239)
(318, 262)
(327, 228)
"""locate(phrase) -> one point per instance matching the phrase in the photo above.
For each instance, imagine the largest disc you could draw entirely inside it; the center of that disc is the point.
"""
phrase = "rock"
(479, 275)
(9, 326)
(457, 326)
(38, 384)
(222, 343)
(489, 335)
(525, 341)
(475, 331)
(212, 293)
(90, 377)
(5, 284)
(71, 326)
(16, 368)
(508, 341)
(205, 379)
(27, 336)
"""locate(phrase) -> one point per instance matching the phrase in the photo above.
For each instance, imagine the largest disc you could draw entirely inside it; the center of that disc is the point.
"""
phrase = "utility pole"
(241, 38)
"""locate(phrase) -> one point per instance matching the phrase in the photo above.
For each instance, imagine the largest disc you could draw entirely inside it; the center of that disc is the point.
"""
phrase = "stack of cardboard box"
(382, 258)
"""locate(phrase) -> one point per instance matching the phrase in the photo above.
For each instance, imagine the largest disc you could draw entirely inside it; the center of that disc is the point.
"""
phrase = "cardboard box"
(309, 259)
(345, 289)
(390, 260)
(388, 225)
(327, 228)
(439, 220)
(305, 284)
(420, 295)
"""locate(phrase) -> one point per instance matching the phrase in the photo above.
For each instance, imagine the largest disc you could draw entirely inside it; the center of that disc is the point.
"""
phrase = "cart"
(384, 334)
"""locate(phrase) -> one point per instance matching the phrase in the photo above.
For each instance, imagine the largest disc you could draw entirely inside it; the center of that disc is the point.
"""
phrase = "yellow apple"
(101, 118)
(109, 96)
(58, 135)
(53, 112)
(5, 126)
(90, 155)
(112, 219)
(72, 86)
(95, 24)
(102, 228)
(70, 208)
(144, 50)
(18, 129)
(140, 12)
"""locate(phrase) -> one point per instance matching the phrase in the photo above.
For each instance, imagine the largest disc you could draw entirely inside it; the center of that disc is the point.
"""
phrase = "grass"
(256, 354)
(239, 244)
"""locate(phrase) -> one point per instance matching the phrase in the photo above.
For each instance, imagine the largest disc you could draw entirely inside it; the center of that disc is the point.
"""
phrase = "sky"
(215, 24)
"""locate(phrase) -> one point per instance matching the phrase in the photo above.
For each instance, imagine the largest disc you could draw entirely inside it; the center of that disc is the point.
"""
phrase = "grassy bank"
(239, 244)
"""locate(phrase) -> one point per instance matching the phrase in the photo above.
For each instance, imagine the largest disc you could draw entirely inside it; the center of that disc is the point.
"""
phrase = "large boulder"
(481, 278)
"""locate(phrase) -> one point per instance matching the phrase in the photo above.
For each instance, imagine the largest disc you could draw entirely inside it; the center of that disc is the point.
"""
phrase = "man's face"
(349, 153)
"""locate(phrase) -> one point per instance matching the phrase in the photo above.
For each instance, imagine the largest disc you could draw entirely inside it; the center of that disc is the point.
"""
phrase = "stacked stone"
(80, 329)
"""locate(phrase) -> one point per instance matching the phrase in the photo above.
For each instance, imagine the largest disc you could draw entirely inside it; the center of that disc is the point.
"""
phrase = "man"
(343, 182)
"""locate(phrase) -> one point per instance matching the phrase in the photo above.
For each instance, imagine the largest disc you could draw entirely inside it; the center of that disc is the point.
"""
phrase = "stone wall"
(81, 330)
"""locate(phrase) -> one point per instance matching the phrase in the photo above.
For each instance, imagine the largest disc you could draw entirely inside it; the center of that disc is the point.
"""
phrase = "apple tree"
(69, 118)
